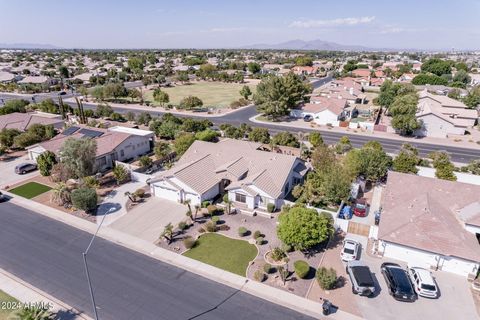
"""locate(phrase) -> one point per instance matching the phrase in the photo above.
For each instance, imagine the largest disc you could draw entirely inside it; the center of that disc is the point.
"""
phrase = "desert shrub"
(301, 268)
(212, 209)
(259, 276)
(257, 234)
(205, 204)
(287, 247)
(278, 254)
(84, 199)
(225, 198)
(91, 182)
(140, 193)
(210, 226)
(267, 268)
(259, 240)
(145, 161)
(223, 227)
(215, 219)
(242, 231)
(189, 242)
(270, 207)
(326, 278)
(182, 225)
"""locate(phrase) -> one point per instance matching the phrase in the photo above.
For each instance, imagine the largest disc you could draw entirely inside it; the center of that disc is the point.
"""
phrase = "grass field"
(4, 312)
(30, 190)
(213, 94)
(223, 252)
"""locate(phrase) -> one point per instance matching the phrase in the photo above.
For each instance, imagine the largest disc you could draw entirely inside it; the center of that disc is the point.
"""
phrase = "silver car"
(423, 282)
(350, 250)
(25, 167)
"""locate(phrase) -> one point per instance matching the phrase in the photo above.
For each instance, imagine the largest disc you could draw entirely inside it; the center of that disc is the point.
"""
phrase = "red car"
(360, 208)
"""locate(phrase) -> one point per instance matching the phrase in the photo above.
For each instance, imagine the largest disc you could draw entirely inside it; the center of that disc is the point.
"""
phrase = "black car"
(398, 282)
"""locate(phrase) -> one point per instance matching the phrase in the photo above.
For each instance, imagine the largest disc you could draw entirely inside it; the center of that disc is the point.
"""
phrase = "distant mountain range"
(27, 46)
(314, 45)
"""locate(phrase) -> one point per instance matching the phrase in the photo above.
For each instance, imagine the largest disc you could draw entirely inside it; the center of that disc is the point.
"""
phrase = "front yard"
(30, 190)
(223, 252)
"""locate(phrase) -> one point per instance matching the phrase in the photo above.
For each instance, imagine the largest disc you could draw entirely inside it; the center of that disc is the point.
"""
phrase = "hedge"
(301, 268)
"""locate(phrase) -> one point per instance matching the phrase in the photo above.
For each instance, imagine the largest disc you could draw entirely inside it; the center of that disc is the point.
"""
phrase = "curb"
(27, 293)
(263, 291)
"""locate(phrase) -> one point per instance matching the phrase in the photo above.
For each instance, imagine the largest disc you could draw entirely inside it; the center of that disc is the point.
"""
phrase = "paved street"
(458, 154)
(128, 285)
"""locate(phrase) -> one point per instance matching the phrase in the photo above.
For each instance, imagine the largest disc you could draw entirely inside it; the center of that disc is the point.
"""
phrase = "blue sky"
(425, 24)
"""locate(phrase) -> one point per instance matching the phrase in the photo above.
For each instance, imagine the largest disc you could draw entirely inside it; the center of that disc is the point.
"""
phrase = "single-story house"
(113, 144)
(6, 77)
(36, 80)
(442, 116)
(427, 224)
(324, 110)
(22, 121)
(252, 178)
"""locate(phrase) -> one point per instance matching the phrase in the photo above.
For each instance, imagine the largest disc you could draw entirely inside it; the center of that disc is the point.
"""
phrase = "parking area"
(147, 221)
(7, 168)
(456, 300)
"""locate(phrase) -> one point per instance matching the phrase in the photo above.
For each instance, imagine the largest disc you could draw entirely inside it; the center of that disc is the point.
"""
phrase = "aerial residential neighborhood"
(221, 160)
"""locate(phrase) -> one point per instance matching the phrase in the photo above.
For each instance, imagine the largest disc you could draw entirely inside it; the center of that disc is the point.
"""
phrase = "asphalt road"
(128, 285)
(458, 154)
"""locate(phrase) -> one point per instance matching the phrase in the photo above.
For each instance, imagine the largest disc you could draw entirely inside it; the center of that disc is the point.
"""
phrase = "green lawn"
(30, 190)
(213, 94)
(223, 252)
(4, 312)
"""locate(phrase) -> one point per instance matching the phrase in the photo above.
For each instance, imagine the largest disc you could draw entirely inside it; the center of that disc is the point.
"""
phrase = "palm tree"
(187, 203)
(168, 233)
(60, 194)
(197, 208)
(229, 205)
(33, 313)
(130, 196)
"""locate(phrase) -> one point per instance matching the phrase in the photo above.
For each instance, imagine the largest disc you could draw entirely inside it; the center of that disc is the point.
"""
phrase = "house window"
(122, 153)
(102, 161)
(240, 198)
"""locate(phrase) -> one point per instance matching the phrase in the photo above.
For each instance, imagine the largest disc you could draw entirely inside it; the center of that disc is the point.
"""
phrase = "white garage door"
(458, 266)
(165, 193)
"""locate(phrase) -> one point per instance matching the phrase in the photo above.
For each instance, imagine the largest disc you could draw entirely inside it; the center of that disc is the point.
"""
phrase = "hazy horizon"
(148, 24)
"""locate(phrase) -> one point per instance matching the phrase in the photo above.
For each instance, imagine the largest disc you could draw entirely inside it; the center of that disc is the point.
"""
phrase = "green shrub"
(189, 242)
(259, 276)
(267, 268)
(242, 231)
(145, 161)
(45, 162)
(301, 268)
(256, 234)
(91, 182)
(327, 278)
(212, 209)
(140, 193)
(182, 225)
(210, 226)
(215, 219)
(84, 199)
(205, 204)
(225, 198)
(270, 207)
(287, 247)
(278, 254)
(259, 240)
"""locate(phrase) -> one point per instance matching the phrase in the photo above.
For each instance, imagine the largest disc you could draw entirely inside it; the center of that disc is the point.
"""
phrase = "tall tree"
(79, 155)
(406, 160)
(160, 96)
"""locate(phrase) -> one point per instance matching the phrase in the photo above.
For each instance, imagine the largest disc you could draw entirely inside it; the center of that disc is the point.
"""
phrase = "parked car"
(2, 197)
(399, 285)
(307, 118)
(350, 250)
(25, 167)
(360, 207)
(361, 278)
(423, 282)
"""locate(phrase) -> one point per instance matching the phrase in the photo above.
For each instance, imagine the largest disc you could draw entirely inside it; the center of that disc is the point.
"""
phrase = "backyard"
(30, 189)
(213, 94)
(223, 252)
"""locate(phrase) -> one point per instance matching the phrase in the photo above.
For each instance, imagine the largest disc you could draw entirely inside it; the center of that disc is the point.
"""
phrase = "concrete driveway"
(147, 220)
(8, 176)
(455, 302)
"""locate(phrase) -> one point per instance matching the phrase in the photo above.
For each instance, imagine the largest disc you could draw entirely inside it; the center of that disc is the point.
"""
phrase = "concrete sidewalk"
(286, 299)
(26, 293)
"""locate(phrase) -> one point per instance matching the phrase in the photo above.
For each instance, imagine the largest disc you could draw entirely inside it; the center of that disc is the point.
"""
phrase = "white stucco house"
(252, 178)
(113, 144)
(442, 116)
(323, 110)
(432, 224)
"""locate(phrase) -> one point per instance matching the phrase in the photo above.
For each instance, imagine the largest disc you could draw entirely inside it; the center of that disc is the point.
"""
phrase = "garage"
(165, 192)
